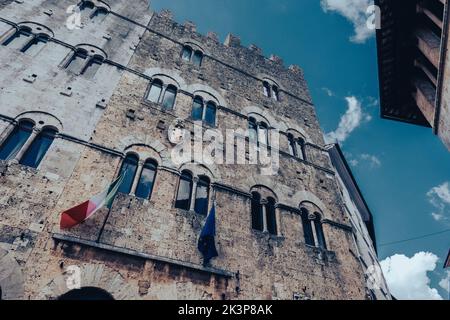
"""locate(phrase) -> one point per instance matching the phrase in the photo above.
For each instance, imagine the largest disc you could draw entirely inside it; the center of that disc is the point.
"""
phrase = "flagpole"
(109, 211)
(104, 225)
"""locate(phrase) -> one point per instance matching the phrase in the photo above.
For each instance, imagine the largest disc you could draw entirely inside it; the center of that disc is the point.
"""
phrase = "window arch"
(197, 109)
(99, 14)
(87, 6)
(38, 148)
(202, 196)
(263, 210)
(275, 93)
(263, 133)
(85, 60)
(197, 58)
(139, 177)
(253, 130)
(307, 228)
(169, 97)
(186, 54)
(128, 169)
(257, 212)
(154, 93)
(297, 146)
(192, 55)
(312, 229)
(95, 11)
(165, 95)
(205, 112)
(271, 216)
(266, 89)
(16, 140)
(146, 181)
(184, 194)
(87, 294)
(271, 89)
(29, 37)
(259, 129)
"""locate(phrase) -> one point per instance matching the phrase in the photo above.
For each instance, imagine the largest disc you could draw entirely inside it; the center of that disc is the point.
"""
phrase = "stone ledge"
(129, 252)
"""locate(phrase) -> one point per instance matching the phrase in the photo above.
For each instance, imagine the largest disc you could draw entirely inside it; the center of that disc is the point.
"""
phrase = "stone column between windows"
(137, 177)
(193, 193)
(264, 213)
(27, 144)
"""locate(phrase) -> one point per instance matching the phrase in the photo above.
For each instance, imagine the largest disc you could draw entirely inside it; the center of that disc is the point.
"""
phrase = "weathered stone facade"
(148, 248)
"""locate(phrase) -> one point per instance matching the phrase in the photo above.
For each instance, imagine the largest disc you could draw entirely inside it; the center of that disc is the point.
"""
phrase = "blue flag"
(206, 242)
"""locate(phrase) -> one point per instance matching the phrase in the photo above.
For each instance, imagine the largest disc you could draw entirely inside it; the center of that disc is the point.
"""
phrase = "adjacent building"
(361, 220)
(90, 91)
(413, 63)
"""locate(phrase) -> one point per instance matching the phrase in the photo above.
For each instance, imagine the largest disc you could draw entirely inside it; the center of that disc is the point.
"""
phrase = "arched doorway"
(86, 294)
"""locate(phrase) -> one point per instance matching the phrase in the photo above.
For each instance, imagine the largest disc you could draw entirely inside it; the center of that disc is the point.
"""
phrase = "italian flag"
(84, 211)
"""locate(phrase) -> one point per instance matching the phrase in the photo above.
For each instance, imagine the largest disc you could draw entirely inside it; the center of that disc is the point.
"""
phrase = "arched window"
(92, 66)
(319, 231)
(275, 93)
(87, 6)
(204, 112)
(253, 130)
(197, 58)
(155, 91)
(271, 216)
(257, 212)
(210, 114)
(307, 228)
(263, 133)
(35, 45)
(99, 14)
(266, 87)
(78, 61)
(292, 145)
(202, 196)
(38, 148)
(197, 109)
(169, 97)
(146, 180)
(184, 191)
(19, 39)
(186, 53)
(129, 168)
(297, 146)
(301, 149)
(16, 140)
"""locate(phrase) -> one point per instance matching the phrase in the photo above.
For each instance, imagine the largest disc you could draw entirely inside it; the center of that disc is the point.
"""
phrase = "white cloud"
(445, 283)
(356, 12)
(408, 279)
(354, 162)
(351, 120)
(328, 92)
(439, 197)
(364, 159)
(373, 161)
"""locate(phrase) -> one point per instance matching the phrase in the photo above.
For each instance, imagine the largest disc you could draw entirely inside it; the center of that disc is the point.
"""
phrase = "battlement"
(232, 42)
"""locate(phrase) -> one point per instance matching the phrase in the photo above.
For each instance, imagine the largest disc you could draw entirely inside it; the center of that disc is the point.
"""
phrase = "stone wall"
(148, 248)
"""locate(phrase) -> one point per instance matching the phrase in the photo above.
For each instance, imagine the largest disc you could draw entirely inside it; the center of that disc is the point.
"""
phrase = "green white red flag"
(84, 211)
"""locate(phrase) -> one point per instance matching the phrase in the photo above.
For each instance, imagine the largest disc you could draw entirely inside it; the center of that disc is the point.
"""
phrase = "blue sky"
(396, 165)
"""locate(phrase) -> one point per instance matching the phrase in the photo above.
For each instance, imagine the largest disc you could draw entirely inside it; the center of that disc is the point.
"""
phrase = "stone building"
(361, 220)
(90, 90)
(413, 63)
